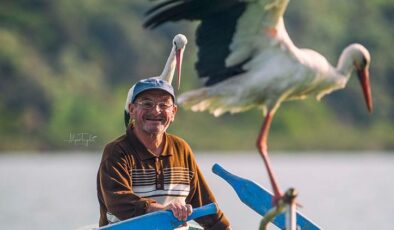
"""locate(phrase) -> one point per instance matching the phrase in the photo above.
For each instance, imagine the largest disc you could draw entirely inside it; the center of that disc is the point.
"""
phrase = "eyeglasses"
(148, 104)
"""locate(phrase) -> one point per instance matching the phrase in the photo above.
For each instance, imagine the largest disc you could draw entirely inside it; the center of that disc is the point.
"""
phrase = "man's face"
(153, 111)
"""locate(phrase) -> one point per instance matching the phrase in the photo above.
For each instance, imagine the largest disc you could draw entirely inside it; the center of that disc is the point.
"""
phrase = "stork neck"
(284, 35)
(169, 69)
(345, 63)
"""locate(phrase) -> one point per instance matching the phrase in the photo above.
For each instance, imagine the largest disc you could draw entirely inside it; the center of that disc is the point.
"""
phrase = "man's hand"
(180, 211)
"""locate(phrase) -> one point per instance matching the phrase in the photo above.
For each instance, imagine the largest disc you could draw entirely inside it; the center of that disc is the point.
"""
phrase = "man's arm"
(115, 187)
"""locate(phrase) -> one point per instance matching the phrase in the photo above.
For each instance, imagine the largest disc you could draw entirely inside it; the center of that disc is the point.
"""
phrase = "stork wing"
(230, 33)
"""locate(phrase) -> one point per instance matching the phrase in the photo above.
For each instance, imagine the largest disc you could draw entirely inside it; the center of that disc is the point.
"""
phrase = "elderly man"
(148, 169)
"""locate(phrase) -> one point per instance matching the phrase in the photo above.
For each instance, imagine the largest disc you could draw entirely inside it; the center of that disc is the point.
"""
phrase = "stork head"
(361, 61)
(179, 43)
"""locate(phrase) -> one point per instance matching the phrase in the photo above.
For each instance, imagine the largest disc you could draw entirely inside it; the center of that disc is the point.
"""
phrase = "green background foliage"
(66, 67)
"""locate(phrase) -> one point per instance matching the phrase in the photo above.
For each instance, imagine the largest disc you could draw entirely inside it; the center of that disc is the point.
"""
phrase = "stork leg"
(262, 147)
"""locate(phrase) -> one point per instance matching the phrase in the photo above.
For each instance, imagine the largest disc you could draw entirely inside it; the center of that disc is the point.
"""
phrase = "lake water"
(337, 190)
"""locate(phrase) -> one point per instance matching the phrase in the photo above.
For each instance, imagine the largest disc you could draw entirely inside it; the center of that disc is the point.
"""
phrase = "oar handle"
(208, 209)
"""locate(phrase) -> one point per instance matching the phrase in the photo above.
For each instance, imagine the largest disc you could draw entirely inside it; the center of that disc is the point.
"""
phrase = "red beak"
(363, 77)
(179, 54)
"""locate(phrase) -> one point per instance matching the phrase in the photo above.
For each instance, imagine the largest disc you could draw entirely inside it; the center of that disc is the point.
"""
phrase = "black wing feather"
(175, 10)
(160, 5)
(214, 34)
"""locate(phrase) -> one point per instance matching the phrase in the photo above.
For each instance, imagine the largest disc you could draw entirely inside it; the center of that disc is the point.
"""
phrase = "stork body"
(250, 61)
(267, 84)
(174, 61)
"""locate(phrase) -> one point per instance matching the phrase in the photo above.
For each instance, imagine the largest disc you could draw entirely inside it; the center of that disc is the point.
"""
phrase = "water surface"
(338, 190)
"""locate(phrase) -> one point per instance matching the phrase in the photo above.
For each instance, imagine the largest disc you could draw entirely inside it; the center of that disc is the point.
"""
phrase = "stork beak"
(363, 77)
(179, 55)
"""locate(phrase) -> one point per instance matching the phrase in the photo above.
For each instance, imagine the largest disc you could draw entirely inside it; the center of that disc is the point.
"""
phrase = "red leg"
(262, 147)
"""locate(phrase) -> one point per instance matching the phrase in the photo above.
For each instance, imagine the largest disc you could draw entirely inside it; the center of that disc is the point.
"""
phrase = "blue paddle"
(258, 198)
(160, 220)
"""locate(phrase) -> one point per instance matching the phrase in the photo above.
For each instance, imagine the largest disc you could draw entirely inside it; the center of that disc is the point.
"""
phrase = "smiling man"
(148, 169)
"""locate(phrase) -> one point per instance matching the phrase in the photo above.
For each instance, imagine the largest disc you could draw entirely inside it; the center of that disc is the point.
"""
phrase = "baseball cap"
(152, 83)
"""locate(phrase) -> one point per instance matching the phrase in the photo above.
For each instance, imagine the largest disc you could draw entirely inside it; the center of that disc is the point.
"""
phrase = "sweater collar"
(144, 153)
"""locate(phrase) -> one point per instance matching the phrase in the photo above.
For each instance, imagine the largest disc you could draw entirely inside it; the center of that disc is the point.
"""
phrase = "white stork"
(250, 61)
(174, 61)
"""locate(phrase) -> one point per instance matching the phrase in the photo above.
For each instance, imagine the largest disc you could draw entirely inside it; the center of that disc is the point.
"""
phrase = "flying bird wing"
(229, 34)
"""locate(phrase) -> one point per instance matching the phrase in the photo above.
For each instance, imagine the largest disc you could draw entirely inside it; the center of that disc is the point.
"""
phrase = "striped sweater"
(130, 177)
